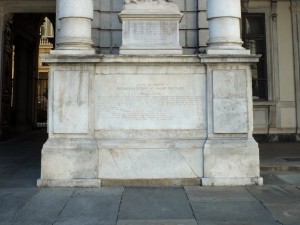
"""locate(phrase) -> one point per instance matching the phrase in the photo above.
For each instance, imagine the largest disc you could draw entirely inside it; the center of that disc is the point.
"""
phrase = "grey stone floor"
(277, 202)
(264, 205)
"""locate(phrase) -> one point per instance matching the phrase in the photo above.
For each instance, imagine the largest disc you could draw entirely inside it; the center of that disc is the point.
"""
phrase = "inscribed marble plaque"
(150, 102)
(159, 32)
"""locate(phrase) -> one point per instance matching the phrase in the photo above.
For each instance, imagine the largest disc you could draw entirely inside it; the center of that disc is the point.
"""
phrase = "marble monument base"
(149, 121)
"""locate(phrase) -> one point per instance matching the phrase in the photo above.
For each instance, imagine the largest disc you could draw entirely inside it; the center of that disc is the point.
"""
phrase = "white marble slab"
(230, 83)
(70, 102)
(230, 105)
(150, 102)
(150, 163)
(230, 116)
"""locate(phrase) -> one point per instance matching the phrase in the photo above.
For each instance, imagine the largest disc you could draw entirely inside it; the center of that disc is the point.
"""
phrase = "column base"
(231, 162)
(215, 51)
(69, 162)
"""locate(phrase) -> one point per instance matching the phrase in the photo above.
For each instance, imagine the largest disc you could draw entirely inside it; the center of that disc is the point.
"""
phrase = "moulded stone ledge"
(84, 183)
(151, 182)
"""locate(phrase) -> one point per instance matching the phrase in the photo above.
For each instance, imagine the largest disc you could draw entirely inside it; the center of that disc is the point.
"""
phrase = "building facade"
(275, 34)
(122, 112)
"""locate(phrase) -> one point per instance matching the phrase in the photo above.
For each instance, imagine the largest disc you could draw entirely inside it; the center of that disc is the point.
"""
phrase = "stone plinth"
(150, 28)
(125, 120)
(149, 121)
(231, 155)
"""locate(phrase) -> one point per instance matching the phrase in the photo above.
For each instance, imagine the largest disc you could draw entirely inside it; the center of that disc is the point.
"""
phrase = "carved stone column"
(74, 27)
(224, 27)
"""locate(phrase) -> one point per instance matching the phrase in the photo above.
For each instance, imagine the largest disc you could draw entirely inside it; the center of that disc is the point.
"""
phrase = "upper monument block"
(150, 27)
(149, 5)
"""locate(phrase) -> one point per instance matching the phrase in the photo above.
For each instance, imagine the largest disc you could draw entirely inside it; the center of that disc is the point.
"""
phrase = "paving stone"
(91, 207)
(18, 183)
(232, 213)
(11, 200)
(276, 194)
(271, 179)
(218, 194)
(287, 214)
(155, 204)
(44, 207)
(157, 222)
(290, 178)
(239, 223)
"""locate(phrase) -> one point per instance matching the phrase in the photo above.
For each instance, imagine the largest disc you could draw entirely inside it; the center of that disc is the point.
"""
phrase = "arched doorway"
(20, 72)
(41, 81)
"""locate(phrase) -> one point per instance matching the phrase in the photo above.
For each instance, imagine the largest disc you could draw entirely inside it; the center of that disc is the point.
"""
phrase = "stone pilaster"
(231, 155)
(74, 32)
(224, 27)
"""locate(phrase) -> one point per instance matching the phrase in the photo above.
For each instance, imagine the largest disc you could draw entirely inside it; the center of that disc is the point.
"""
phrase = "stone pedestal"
(125, 120)
(150, 28)
(231, 155)
(155, 119)
(150, 121)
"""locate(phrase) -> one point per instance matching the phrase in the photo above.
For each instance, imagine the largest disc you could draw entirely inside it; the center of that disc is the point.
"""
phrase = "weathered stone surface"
(43, 208)
(232, 213)
(287, 214)
(70, 103)
(67, 159)
(157, 222)
(150, 29)
(230, 101)
(12, 199)
(145, 118)
(144, 163)
(230, 116)
(155, 204)
(290, 178)
(149, 121)
(231, 163)
(151, 101)
(92, 206)
(276, 194)
(219, 194)
(271, 178)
